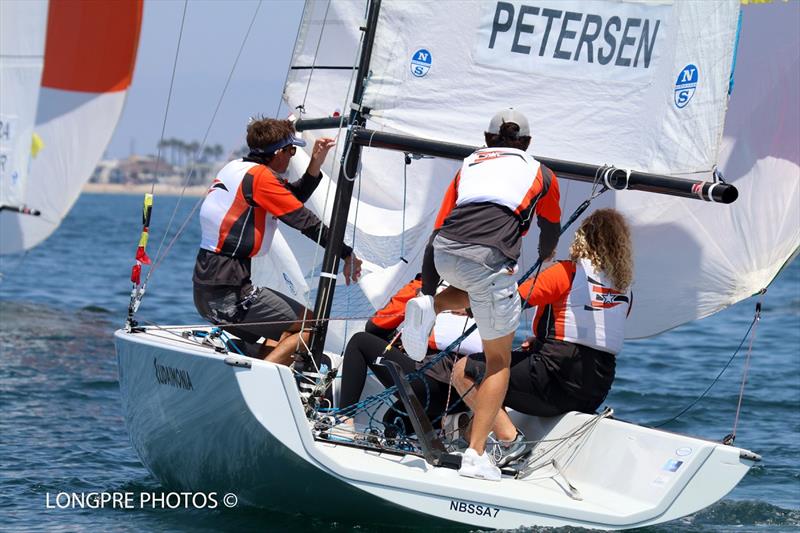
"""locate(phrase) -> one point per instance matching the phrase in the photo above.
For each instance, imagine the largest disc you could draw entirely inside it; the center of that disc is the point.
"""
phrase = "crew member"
(238, 219)
(579, 327)
(487, 209)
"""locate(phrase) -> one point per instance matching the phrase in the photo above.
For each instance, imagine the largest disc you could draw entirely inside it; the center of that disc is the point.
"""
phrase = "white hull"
(198, 423)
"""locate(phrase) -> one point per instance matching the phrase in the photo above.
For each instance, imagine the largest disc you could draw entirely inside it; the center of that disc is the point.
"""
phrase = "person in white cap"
(475, 246)
(238, 219)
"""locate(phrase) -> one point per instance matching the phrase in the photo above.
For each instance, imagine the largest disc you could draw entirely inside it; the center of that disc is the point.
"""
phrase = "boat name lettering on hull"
(615, 42)
(174, 377)
(474, 508)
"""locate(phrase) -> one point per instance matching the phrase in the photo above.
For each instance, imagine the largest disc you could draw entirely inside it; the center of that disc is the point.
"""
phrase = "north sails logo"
(421, 63)
(686, 85)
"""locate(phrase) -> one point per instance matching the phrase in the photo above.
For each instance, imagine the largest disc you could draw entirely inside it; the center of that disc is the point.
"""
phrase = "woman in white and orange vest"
(238, 219)
(579, 327)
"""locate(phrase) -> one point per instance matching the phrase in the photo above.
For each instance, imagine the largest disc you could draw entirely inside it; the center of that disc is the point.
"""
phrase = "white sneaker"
(417, 327)
(478, 466)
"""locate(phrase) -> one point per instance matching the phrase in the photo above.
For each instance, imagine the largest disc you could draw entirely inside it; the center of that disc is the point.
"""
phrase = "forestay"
(641, 85)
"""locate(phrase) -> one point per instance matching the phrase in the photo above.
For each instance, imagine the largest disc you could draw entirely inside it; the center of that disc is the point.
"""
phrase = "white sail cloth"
(22, 34)
(80, 96)
(433, 75)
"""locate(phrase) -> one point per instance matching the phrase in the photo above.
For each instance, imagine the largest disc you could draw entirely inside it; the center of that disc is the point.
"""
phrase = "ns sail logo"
(421, 63)
(685, 85)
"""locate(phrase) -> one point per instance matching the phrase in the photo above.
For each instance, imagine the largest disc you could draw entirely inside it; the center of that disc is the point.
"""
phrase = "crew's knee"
(460, 379)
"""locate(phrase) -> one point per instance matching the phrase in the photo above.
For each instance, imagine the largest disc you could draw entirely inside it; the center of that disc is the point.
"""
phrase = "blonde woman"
(581, 307)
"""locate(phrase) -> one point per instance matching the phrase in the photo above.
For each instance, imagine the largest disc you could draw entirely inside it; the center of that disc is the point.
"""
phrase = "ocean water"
(62, 430)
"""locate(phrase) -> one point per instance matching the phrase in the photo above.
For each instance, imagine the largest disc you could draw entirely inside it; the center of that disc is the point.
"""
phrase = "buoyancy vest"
(595, 312)
(504, 176)
(232, 222)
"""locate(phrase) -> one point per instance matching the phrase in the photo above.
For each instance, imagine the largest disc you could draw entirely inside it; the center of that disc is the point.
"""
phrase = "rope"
(756, 318)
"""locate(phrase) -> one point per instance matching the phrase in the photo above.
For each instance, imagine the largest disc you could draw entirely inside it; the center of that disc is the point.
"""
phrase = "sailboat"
(66, 67)
(610, 86)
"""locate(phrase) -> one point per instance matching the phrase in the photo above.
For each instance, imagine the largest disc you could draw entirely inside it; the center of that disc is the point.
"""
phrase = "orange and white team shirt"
(507, 177)
(576, 303)
(240, 213)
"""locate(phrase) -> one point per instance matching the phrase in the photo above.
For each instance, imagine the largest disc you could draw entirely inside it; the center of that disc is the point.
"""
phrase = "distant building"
(138, 169)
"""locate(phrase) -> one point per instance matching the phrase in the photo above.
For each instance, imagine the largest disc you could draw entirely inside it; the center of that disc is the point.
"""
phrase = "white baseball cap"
(509, 115)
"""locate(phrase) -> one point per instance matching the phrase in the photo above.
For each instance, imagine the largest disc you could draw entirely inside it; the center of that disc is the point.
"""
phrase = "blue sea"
(62, 429)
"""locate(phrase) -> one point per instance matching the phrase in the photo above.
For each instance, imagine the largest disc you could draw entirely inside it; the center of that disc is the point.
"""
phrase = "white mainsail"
(89, 55)
(657, 104)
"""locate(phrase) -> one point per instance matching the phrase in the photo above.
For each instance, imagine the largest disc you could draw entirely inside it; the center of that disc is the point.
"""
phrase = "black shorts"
(271, 313)
(554, 378)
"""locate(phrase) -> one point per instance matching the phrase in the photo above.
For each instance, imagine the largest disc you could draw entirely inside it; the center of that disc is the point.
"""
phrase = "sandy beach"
(160, 189)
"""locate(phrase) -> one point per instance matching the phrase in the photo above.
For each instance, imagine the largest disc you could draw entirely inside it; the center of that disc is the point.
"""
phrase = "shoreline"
(139, 189)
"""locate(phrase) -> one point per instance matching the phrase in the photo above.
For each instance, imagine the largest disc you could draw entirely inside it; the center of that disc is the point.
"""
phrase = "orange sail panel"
(91, 45)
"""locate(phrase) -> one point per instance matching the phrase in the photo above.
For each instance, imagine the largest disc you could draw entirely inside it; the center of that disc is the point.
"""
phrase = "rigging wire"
(316, 53)
(158, 257)
(294, 52)
(169, 93)
(753, 323)
(732, 437)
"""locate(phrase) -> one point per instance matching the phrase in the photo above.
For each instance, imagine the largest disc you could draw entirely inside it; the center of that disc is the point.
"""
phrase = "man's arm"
(548, 216)
(303, 188)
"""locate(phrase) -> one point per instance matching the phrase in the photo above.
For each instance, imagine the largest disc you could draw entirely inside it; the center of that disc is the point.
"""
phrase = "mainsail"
(640, 85)
(89, 54)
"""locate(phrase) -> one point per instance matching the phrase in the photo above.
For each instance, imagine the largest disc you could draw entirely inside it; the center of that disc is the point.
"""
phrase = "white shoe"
(478, 466)
(417, 327)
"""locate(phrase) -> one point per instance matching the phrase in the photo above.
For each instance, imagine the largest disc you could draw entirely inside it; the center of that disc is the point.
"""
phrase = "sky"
(213, 32)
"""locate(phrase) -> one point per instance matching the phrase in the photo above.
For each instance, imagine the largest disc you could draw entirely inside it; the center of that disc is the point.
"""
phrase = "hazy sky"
(212, 34)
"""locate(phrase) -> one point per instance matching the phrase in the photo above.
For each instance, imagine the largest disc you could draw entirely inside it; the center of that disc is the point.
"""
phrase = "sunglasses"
(291, 148)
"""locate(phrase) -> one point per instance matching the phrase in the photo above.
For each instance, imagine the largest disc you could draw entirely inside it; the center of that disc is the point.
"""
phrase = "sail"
(657, 104)
(22, 34)
(89, 57)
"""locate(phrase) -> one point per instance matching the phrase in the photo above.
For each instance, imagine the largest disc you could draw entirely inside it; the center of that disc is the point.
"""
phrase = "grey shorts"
(491, 287)
(271, 312)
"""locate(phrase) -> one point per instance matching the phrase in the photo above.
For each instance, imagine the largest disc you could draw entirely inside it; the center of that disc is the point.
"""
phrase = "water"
(61, 427)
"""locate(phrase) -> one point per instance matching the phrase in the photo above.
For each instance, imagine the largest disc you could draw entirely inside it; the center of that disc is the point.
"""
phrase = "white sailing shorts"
(491, 287)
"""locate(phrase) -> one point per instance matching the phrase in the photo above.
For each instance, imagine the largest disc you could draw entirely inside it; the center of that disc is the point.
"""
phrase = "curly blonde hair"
(604, 238)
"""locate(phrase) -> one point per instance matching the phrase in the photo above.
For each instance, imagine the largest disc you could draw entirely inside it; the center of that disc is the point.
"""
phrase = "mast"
(341, 203)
